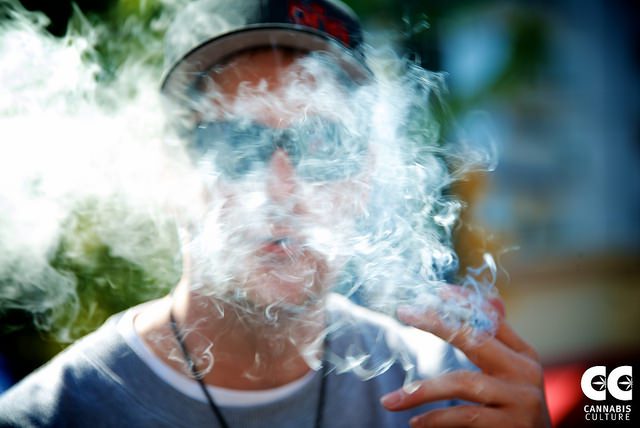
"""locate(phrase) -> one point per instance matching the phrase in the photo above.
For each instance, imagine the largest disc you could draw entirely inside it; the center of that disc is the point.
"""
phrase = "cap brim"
(181, 77)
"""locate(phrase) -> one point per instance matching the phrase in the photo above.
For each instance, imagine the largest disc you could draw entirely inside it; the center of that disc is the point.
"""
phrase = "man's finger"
(495, 304)
(464, 294)
(507, 335)
(504, 332)
(488, 353)
(462, 416)
(462, 384)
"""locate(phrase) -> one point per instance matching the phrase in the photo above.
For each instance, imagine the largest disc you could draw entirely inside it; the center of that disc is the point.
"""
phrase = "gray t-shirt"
(101, 382)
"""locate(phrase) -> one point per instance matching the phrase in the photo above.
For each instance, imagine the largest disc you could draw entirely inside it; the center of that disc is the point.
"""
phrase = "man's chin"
(292, 285)
(273, 301)
(272, 286)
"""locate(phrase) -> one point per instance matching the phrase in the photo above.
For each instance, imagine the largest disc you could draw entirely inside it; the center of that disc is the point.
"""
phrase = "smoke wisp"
(87, 166)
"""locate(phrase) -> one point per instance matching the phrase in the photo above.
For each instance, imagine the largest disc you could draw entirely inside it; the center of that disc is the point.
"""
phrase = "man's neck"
(242, 351)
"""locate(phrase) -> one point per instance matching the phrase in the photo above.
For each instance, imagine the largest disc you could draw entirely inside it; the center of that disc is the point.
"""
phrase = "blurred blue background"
(554, 85)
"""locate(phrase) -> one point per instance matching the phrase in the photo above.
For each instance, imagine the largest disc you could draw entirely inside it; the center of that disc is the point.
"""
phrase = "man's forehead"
(270, 66)
(283, 82)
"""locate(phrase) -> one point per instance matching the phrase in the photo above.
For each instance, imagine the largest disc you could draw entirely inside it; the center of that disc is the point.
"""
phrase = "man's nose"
(281, 183)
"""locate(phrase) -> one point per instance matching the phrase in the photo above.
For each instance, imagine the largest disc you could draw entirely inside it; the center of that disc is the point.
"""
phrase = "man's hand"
(509, 389)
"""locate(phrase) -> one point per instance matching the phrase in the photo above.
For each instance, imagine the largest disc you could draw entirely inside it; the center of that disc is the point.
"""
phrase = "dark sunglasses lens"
(320, 150)
(238, 148)
(330, 152)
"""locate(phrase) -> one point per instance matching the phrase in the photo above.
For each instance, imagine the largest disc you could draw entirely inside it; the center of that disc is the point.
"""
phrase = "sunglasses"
(319, 149)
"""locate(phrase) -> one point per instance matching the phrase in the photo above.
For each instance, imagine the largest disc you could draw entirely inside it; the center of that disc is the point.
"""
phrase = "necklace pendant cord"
(212, 404)
(192, 368)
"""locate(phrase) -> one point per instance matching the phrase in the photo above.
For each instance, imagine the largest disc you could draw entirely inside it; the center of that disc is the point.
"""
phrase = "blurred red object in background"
(562, 386)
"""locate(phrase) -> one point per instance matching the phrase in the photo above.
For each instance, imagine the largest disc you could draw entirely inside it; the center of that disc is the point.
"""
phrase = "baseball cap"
(209, 32)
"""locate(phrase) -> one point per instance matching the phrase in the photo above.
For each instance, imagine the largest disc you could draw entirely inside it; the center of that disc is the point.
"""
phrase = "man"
(272, 105)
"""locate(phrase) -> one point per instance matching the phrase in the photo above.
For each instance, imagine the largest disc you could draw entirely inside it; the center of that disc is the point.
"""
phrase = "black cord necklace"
(212, 404)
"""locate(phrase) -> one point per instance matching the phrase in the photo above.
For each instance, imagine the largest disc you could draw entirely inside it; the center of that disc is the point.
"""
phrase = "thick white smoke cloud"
(71, 139)
(81, 165)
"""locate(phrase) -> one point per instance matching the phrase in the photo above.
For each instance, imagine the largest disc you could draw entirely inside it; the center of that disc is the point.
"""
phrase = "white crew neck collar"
(222, 396)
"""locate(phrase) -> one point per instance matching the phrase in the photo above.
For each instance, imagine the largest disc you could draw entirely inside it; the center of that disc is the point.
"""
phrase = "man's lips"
(278, 246)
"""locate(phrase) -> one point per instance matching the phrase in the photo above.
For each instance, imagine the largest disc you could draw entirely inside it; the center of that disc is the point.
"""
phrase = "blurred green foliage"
(104, 279)
(107, 282)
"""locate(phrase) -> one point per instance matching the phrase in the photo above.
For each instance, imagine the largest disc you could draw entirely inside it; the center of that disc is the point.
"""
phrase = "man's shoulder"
(385, 354)
(349, 313)
(73, 380)
(86, 353)
(386, 337)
